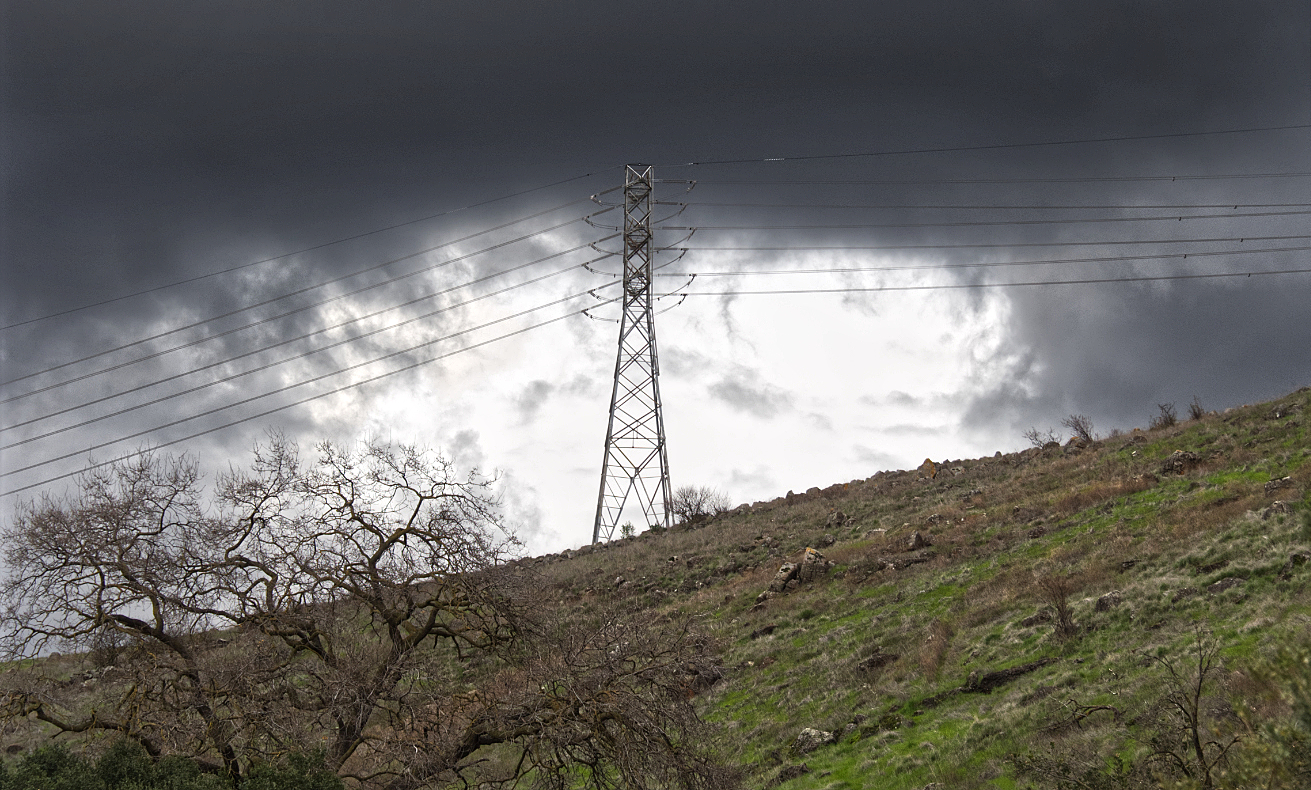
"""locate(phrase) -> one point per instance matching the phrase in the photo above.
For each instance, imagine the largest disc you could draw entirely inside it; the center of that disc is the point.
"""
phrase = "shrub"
(295, 772)
(698, 503)
(1039, 439)
(1055, 591)
(1080, 425)
(1165, 417)
(125, 766)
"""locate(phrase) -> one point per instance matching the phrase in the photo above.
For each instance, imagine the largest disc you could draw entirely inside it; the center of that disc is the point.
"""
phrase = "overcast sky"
(149, 143)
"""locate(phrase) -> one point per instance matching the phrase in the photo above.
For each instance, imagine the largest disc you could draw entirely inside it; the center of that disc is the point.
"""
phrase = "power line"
(293, 404)
(981, 207)
(925, 181)
(288, 387)
(980, 223)
(303, 355)
(983, 264)
(957, 286)
(269, 319)
(991, 147)
(302, 251)
(1102, 243)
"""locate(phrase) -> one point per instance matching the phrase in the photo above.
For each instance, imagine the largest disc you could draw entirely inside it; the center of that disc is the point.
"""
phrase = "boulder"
(917, 541)
(1275, 485)
(813, 565)
(1295, 561)
(1226, 583)
(1276, 508)
(1107, 602)
(786, 573)
(811, 739)
(1180, 461)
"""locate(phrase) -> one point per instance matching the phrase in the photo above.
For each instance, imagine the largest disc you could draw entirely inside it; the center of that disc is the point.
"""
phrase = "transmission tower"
(635, 458)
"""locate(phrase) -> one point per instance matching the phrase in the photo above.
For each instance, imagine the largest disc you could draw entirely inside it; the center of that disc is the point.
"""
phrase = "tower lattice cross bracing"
(636, 461)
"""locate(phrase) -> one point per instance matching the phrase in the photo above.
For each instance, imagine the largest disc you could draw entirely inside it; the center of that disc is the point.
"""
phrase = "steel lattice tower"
(635, 456)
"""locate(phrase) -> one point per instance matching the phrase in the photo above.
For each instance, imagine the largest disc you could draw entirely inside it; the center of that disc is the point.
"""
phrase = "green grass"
(1096, 517)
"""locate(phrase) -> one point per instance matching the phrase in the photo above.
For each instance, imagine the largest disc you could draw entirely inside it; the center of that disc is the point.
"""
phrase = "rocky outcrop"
(786, 573)
(1179, 461)
(811, 739)
(813, 565)
(1295, 561)
(1226, 583)
(1107, 602)
(1275, 485)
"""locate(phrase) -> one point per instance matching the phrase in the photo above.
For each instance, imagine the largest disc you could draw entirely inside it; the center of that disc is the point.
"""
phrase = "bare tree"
(1039, 439)
(698, 503)
(1080, 425)
(1165, 416)
(1182, 743)
(1195, 410)
(1056, 592)
(344, 606)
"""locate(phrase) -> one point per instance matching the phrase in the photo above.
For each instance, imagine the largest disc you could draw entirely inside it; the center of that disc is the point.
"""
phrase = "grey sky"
(149, 142)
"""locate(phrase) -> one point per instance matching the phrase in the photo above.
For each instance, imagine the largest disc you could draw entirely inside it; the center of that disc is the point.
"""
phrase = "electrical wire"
(684, 295)
(973, 224)
(303, 355)
(990, 147)
(284, 407)
(269, 319)
(302, 383)
(977, 207)
(302, 251)
(982, 264)
(958, 286)
(1102, 243)
(928, 181)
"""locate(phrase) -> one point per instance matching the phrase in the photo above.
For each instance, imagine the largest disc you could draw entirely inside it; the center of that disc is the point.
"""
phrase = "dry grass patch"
(1098, 493)
(934, 649)
(1210, 516)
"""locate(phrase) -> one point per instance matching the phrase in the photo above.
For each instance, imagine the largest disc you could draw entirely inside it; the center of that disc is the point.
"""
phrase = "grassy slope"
(1105, 518)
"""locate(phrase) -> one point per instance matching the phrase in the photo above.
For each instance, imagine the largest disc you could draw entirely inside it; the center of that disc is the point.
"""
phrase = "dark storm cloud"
(1116, 354)
(744, 390)
(151, 141)
(532, 397)
(132, 128)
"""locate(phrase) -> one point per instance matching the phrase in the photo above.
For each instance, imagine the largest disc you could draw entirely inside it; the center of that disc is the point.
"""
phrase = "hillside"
(1033, 619)
(927, 637)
